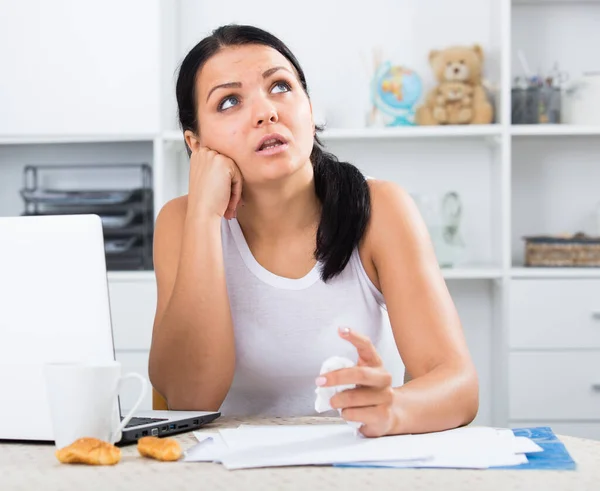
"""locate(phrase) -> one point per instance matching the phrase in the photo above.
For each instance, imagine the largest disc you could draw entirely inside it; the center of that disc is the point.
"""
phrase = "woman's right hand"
(215, 184)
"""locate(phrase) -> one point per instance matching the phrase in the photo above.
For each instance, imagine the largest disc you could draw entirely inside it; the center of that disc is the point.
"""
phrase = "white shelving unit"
(554, 130)
(74, 138)
(556, 273)
(513, 179)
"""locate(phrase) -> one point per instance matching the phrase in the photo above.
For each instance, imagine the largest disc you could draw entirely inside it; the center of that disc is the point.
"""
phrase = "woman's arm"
(192, 357)
(443, 391)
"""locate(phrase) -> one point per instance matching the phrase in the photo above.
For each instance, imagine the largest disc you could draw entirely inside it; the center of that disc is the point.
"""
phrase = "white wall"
(73, 67)
(567, 33)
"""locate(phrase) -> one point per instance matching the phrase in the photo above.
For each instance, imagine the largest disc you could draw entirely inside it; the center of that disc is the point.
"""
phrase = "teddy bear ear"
(478, 51)
(433, 54)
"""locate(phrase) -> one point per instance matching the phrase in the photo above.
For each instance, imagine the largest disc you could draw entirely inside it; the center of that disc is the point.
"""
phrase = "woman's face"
(245, 94)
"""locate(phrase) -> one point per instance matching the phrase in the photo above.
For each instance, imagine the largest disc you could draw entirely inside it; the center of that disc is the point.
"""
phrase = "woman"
(280, 256)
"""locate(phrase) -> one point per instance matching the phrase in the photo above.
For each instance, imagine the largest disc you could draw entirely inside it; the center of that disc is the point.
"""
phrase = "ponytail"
(346, 209)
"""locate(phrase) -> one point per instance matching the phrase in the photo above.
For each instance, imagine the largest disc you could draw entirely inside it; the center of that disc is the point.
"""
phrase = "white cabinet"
(554, 360)
(554, 313)
(80, 68)
(133, 305)
(555, 386)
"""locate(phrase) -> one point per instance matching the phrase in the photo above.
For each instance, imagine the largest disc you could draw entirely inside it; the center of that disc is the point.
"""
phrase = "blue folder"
(554, 457)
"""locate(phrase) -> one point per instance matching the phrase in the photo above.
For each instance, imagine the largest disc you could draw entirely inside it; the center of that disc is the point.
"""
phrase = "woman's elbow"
(469, 394)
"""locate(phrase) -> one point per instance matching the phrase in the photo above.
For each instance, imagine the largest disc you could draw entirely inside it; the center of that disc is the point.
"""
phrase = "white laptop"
(54, 307)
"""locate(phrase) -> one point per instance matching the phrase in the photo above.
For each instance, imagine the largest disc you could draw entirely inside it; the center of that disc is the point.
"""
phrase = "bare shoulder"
(173, 208)
(396, 233)
(392, 210)
(384, 191)
(171, 216)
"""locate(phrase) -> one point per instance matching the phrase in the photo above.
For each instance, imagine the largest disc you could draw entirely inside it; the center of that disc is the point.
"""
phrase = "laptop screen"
(54, 307)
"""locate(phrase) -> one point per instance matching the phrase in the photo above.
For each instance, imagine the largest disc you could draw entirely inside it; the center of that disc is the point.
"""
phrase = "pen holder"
(535, 105)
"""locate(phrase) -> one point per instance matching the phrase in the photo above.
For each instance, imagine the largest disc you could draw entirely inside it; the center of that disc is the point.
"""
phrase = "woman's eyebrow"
(228, 85)
(238, 85)
(271, 71)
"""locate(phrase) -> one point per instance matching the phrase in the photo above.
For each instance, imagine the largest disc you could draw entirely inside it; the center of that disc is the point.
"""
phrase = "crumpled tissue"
(324, 394)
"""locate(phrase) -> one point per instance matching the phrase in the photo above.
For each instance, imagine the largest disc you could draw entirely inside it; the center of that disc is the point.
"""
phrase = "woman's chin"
(275, 170)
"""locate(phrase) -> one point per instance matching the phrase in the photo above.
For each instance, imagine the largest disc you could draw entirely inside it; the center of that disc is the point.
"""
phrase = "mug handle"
(116, 435)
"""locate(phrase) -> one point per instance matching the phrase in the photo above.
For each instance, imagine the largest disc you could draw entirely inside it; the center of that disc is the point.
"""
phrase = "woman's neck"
(282, 209)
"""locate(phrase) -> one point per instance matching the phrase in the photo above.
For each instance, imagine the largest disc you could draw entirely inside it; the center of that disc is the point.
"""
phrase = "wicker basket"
(578, 250)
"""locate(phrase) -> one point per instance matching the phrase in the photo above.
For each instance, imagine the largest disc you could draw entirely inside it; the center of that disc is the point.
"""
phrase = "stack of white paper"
(270, 446)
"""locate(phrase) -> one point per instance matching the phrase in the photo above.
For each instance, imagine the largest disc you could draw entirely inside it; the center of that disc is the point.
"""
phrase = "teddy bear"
(456, 64)
(454, 103)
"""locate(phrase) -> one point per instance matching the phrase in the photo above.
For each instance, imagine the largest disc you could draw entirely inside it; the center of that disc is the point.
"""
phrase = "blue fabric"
(554, 457)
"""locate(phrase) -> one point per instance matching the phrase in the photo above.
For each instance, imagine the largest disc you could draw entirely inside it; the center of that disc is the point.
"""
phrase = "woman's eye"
(227, 103)
(281, 87)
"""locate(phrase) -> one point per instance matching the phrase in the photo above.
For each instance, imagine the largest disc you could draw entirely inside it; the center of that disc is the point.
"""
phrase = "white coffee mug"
(83, 400)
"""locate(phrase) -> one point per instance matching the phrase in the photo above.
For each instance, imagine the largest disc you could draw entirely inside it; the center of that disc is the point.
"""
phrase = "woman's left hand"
(372, 401)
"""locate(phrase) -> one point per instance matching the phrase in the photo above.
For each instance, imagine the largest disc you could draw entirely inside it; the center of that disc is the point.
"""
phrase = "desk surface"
(34, 466)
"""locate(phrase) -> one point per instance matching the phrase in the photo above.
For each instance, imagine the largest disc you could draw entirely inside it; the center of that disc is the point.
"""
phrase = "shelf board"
(128, 276)
(554, 130)
(472, 273)
(535, 272)
(455, 131)
(45, 139)
(555, 2)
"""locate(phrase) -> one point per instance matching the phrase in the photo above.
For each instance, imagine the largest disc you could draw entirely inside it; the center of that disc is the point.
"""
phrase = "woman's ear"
(192, 140)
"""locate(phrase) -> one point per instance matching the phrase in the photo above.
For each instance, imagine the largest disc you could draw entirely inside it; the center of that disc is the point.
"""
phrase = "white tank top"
(285, 328)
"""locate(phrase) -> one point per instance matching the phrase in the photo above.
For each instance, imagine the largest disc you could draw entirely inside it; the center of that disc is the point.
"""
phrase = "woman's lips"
(273, 150)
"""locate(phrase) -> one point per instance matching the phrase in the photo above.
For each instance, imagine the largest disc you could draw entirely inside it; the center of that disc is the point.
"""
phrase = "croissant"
(165, 449)
(89, 451)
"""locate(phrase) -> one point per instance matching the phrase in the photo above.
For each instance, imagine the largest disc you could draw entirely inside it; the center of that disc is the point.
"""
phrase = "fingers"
(363, 376)
(204, 150)
(236, 181)
(362, 397)
(376, 420)
(364, 346)
(236, 191)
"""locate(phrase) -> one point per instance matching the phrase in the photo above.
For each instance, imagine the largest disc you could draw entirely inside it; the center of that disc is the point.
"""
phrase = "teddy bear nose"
(456, 69)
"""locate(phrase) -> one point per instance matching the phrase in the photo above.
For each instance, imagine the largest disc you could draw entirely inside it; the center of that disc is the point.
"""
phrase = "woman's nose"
(265, 114)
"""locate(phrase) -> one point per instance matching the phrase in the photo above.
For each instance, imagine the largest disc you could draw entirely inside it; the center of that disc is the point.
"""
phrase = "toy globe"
(395, 92)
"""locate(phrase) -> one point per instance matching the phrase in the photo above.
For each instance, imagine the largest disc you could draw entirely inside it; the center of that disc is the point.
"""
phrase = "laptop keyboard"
(143, 421)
